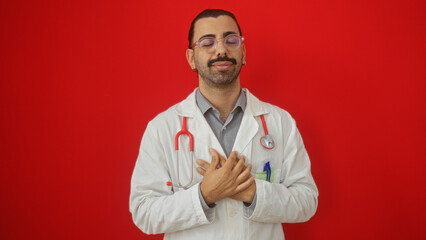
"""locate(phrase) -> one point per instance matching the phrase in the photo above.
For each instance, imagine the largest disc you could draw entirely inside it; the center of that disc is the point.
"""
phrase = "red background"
(81, 79)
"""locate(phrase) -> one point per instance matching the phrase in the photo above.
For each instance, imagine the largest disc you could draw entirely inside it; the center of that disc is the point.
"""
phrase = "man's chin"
(221, 70)
(220, 82)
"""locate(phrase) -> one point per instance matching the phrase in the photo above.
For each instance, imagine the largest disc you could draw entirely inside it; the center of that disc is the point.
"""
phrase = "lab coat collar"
(188, 107)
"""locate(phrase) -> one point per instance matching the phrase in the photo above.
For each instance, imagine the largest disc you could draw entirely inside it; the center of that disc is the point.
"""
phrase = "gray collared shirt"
(226, 132)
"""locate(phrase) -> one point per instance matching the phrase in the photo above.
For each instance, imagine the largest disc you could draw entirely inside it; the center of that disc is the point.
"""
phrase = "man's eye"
(207, 43)
(232, 40)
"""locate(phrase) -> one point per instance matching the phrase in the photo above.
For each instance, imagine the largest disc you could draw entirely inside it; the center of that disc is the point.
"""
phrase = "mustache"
(220, 59)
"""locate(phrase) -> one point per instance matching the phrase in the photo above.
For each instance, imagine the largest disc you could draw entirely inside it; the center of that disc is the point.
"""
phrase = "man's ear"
(190, 58)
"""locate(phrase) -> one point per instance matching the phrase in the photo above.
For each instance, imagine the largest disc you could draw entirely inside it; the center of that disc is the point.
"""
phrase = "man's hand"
(246, 195)
(232, 179)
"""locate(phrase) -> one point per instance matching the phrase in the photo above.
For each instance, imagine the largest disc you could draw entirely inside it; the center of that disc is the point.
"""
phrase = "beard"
(219, 79)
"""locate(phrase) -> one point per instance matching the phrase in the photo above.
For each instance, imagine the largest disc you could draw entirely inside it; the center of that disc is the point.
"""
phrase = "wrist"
(206, 196)
(252, 192)
(248, 200)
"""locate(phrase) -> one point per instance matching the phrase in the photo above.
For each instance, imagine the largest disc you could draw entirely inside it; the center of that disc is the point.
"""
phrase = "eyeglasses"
(231, 42)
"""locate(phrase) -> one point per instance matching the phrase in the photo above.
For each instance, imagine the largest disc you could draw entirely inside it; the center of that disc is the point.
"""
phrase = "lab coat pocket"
(266, 162)
(272, 176)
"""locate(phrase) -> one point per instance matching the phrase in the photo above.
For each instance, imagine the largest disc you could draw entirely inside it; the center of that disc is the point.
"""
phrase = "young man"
(241, 168)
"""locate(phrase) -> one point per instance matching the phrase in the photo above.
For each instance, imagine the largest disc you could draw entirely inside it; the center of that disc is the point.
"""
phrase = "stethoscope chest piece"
(267, 142)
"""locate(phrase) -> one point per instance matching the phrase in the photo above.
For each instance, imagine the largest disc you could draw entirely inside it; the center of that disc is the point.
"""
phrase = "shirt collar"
(204, 105)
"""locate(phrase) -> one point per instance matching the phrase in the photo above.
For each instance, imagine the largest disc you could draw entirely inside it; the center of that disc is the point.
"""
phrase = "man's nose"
(221, 49)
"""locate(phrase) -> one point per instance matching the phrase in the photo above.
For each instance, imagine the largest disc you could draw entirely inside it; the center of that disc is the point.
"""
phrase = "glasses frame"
(216, 40)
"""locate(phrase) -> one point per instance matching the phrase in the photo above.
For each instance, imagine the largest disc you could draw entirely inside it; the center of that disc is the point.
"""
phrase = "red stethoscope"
(266, 141)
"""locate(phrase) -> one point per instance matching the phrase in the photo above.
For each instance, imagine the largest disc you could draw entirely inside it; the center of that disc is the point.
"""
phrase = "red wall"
(81, 79)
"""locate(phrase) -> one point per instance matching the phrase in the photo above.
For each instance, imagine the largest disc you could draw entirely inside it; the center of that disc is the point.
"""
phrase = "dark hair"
(209, 13)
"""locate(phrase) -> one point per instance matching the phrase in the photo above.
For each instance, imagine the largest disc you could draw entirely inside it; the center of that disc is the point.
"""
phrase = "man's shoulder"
(276, 109)
(277, 118)
(265, 107)
(169, 116)
(164, 116)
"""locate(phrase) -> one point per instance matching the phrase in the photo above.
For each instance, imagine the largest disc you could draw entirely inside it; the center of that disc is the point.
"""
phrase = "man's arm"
(154, 206)
(295, 197)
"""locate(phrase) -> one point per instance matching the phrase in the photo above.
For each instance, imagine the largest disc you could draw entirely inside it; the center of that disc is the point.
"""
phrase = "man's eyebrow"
(228, 33)
(214, 36)
(207, 35)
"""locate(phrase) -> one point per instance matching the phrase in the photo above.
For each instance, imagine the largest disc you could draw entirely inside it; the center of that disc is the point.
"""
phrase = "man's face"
(221, 67)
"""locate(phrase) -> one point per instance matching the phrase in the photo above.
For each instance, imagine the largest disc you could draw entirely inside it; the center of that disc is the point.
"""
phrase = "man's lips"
(222, 65)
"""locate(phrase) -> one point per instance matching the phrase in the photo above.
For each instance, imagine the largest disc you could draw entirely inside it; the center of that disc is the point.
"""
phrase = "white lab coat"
(157, 208)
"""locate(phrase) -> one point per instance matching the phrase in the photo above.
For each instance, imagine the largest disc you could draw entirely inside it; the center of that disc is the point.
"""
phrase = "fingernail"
(198, 161)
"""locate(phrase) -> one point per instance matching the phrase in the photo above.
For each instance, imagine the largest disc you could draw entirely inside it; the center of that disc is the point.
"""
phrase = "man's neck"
(223, 98)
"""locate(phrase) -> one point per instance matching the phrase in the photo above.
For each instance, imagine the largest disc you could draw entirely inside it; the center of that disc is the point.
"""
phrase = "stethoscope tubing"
(183, 131)
(265, 128)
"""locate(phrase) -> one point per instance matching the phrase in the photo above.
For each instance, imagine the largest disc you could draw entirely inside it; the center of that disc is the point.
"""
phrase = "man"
(253, 170)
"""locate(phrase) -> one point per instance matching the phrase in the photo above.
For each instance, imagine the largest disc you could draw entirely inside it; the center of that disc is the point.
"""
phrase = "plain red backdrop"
(81, 79)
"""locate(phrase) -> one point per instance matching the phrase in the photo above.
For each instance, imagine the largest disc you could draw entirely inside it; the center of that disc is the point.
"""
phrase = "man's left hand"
(244, 196)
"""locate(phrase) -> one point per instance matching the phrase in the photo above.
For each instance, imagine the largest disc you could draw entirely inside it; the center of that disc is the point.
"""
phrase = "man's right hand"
(228, 180)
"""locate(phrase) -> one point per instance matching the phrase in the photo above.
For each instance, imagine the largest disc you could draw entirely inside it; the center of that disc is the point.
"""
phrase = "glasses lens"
(232, 42)
(207, 43)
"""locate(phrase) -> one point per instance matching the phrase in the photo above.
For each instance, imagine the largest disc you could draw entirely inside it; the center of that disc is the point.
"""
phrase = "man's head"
(216, 48)
(214, 13)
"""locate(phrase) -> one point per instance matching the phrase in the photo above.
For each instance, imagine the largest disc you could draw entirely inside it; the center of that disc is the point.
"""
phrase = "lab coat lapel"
(198, 125)
(249, 125)
(246, 132)
(204, 133)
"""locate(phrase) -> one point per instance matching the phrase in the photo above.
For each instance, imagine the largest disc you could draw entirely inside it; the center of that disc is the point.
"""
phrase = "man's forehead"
(216, 26)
